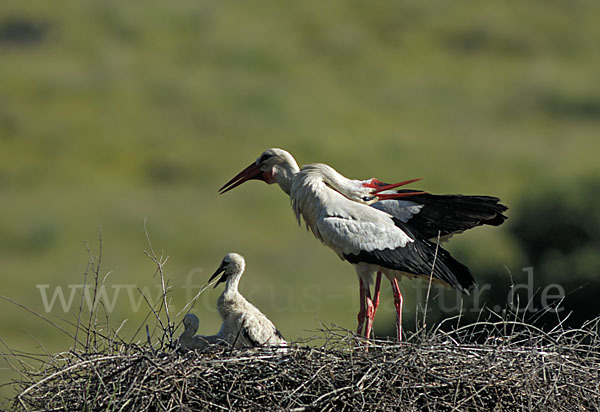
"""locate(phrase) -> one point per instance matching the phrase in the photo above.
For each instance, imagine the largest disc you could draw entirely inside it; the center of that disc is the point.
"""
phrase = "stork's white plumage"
(243, 324)
(189, 340)
(371, 239)
(345, 226)
(334, 208)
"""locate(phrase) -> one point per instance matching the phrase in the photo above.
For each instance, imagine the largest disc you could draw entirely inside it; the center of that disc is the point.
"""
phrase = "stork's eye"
(367, 198)
(264, 157)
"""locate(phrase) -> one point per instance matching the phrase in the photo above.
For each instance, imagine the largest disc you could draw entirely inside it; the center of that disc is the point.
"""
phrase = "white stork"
(424, 214)
(188, 338)
(243, 324)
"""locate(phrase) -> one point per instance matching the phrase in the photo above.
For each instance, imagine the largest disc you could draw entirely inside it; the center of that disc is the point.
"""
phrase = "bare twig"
(160, 262)
(57, 326)
(92, 322)
(89, 264)
(437, 246)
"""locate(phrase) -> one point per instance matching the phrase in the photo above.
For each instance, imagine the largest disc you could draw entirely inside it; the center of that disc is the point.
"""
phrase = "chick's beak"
(220, 269)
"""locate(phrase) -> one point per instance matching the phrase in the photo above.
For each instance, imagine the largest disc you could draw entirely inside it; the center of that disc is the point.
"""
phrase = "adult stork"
(426, 215)
(435, 217)
(371, 239)
(244, 325)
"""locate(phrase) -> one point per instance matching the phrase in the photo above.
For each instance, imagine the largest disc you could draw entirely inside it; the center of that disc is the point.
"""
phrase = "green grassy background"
(114, 112)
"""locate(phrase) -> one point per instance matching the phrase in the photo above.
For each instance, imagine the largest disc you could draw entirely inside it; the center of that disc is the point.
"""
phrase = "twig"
(437, 246)
(60, 328)
(89, 264)
(160, 262)
(148, 338)
(96, 270)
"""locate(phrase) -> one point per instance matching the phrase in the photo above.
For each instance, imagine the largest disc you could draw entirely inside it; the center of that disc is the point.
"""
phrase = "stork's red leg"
(398, 303)
(370, 314)
(362, 311)
(372, 305)
(366, 314)
(376, 293)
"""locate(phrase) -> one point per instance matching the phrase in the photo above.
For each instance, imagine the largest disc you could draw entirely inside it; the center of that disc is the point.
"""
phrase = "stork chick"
(243, 324)
(189, 340)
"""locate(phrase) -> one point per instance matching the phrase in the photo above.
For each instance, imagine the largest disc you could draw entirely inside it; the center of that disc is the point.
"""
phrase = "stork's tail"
(449, 214)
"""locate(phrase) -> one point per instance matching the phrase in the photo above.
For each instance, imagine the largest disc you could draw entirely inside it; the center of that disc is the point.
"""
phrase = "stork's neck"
(316, 191)
(231, 287)
(284, 174)
(188, 333)
(231, 299)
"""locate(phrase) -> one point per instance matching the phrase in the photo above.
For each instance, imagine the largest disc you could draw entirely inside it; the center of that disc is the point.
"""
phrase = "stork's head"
(232, 264)
(272, 166)
(373, 190)
(190, 323)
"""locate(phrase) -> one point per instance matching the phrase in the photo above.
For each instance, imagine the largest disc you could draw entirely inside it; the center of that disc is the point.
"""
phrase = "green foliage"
(557, 230)
(112, 112)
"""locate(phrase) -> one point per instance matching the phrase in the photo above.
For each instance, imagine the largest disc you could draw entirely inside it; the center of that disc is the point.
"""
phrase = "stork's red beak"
(249, 173)
(382, 187)
(385, 196)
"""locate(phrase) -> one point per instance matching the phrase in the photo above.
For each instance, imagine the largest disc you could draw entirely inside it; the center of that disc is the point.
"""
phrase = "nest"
(495, 366)
(502, 364)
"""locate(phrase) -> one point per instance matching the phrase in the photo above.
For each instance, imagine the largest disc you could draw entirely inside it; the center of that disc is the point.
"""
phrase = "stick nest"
(494, 366)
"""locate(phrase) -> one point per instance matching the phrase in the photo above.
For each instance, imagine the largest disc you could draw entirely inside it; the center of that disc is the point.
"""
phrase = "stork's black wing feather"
(252, 338)
(278, 334)
(247, 335)
(417, 258)
(429, 214)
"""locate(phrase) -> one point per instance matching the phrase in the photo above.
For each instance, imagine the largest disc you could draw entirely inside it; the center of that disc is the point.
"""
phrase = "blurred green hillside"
(115, 112)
